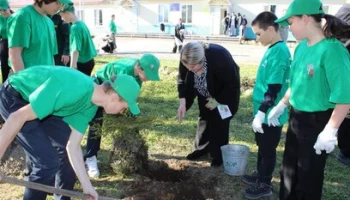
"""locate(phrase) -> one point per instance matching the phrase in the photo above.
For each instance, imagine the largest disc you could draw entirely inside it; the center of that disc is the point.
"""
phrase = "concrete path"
(249, 53)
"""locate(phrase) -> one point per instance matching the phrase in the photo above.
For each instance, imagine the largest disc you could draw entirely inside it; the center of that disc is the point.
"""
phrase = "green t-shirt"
(120, 66)
(80, 40)
(320, 76)
(35, 33)
(3, 27)
(58, 91)
(274, 69)
(113, 27)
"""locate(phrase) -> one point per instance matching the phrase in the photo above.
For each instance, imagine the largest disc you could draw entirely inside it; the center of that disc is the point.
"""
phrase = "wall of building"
(206, 19)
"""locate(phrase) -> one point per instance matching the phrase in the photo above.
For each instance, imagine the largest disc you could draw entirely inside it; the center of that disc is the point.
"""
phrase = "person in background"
(82, 49)
(318, 95)
(208, 72)
(344, 129)
(284, 30)
(113, 32)
(271, 84)
(5, 12)
(242, 28)
(179, 36)
(233, 24)
(62, 35)
(144, 69)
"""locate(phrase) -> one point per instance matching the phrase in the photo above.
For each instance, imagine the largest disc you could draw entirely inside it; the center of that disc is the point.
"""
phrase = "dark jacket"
(179, 27)
(223, 79)
(62, 34)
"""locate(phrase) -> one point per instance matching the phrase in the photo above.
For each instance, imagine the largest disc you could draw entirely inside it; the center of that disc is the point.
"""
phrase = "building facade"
(201, 17)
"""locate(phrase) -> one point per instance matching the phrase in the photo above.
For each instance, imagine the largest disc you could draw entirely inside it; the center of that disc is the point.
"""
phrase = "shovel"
(50, 189)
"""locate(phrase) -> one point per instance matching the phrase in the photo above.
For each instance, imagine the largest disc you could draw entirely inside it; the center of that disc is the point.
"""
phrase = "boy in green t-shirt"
(271, 84)
(143, 69)
(82, 48)
(41, 103)
(31, 35)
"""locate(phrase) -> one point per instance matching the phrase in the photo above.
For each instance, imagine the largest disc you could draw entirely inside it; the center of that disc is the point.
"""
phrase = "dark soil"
(171, 181)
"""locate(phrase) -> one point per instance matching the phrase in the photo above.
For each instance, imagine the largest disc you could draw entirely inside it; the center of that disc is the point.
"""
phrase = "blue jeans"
(44, 142)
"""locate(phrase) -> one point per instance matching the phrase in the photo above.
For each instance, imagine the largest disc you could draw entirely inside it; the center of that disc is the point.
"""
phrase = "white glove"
(326, 140)
(258, 121)
(275, 113)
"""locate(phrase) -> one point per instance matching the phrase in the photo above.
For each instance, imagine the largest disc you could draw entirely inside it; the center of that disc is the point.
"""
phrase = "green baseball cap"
(68, 8)
(301, 7)
(127, 87)
(4, 5)
(150, 65)
(65, 1)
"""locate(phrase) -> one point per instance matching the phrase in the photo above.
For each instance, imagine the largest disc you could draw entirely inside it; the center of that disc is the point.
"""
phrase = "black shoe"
(216, 162)
(258, 190)
(195, 155)
(343, 159)
(250, 179)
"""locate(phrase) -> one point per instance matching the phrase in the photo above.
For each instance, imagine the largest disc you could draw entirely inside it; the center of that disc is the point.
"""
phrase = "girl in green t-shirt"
(318, 95)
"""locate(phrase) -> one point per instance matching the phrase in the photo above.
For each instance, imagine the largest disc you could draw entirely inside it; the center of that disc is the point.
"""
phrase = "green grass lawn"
(159, 99)
(170, 139)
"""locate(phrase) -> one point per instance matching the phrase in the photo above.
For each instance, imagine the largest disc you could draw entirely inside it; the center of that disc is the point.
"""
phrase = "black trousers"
(267, 143)
(94, 136)
(302, 169)
(214, 131)
(4, 58)
(344, 138)
(87, 67)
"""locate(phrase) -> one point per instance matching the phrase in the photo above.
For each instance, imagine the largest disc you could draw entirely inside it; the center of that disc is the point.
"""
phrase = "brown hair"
(334, 26)
(40, 2)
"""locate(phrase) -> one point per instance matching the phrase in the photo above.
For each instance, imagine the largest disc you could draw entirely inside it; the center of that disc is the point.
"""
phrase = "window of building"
(163, 13)
(273, 8)
(80, 14)
(186, 13)
(98, 17)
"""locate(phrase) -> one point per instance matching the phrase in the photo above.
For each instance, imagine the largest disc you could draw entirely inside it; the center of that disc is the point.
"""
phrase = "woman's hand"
(212, 104)
(181, 110)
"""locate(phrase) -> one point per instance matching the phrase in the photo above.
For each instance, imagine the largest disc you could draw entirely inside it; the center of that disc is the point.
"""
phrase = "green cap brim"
(283, 21)
(134, 108)
(152, 76)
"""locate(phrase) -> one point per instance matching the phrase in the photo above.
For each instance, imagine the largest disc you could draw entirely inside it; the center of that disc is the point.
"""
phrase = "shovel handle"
(50, 189)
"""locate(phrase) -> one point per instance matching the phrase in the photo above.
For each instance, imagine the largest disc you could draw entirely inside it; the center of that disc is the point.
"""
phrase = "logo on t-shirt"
(310, 69)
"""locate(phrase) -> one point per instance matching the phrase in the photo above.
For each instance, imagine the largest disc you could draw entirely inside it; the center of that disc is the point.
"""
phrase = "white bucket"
(235, 159)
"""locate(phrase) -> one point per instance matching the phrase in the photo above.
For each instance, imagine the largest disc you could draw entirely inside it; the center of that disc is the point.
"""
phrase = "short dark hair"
(264, 20)
(40, 2)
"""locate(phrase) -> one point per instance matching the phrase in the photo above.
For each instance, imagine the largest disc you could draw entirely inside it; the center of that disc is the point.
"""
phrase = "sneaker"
(91, 164)
(250, 179)
(258, 190)
(343, 159)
